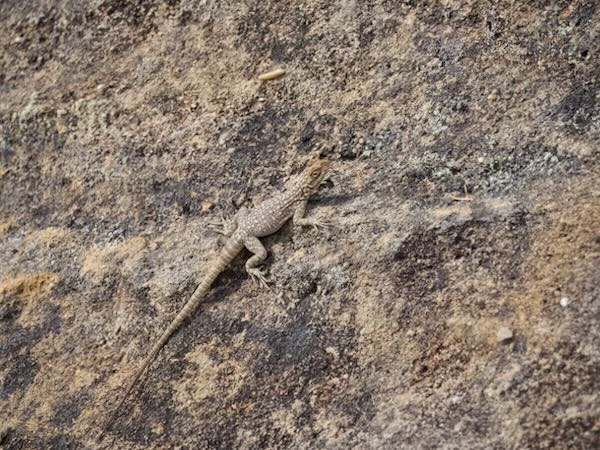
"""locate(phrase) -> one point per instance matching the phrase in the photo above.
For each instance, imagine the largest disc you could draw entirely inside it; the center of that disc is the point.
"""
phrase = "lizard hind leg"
(227, 226)
(259, 255)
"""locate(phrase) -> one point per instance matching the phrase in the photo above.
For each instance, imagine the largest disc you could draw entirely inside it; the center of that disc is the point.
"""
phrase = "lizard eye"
(315, 173)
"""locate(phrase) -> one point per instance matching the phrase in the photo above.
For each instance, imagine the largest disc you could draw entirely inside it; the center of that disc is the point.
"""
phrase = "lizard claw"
(258, 277)
(322, 225)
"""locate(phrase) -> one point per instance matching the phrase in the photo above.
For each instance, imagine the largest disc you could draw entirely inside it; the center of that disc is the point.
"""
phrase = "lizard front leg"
(260, 254)
(299, 219)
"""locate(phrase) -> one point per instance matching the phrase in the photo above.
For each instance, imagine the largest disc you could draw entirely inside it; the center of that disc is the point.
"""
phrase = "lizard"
(244, 230)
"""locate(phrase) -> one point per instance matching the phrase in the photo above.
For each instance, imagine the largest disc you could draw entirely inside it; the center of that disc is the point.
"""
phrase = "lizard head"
(313, 174)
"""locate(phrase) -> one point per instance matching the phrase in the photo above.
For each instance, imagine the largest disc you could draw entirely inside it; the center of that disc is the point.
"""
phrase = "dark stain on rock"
(259, 135)
(296, 345)
(422, 261)
(220, 435)
(317, 129)
(20, 374)
(156, 406)
(585, 12)
(579, 108)
(62, 441)
(255, 36)
(68, 408)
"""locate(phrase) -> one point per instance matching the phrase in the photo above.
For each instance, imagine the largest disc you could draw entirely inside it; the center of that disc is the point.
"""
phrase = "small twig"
(271, 75)
(467, 197)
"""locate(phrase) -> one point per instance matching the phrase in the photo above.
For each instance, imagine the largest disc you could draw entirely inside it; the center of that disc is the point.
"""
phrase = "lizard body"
(244, 231)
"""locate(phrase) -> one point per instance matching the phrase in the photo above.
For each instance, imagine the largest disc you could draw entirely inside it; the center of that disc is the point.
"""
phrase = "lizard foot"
(258, 277)
(322, 225)
(223, 226)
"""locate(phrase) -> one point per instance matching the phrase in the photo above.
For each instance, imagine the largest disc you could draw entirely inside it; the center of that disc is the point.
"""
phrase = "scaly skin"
(263, 220)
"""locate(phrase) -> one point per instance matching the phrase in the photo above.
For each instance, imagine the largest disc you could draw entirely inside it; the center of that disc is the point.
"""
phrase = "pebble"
(455, 399)
(333, 352)
(504, 335)
(564, 302)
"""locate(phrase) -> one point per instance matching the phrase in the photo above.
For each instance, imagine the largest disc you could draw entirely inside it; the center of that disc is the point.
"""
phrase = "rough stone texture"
(126, 126)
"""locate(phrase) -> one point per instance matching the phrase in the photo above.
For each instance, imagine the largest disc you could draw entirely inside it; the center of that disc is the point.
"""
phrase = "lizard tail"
(227, 255)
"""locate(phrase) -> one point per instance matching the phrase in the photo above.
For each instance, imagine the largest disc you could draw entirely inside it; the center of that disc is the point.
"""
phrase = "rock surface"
(466, 186)
(504, 335)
